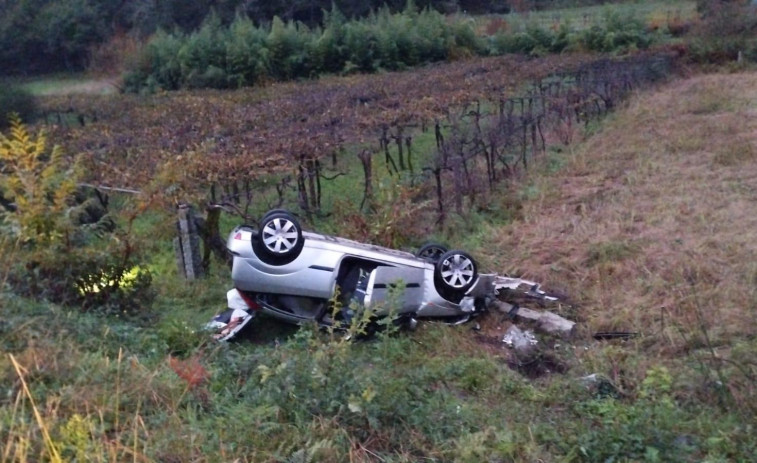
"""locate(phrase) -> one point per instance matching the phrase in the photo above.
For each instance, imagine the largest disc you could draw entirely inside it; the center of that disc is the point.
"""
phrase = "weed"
(736, 154)
(50, 446)
(390, 210)
(179, 337)
(611, 251)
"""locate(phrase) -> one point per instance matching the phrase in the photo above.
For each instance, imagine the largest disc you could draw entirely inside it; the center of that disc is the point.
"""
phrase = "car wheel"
(455, 273)
(279, 239)
(274, 211)
(431, 252)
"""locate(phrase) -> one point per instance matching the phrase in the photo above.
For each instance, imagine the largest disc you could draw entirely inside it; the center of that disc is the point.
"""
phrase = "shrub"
(361, 43)
(328, 53)
(159, 67)
(287, 46)
(616, 34)
(59, 259)
(519, 42)
(202, 57)
(534, 40)
(465, 37)
(246, 53)
(349, 384)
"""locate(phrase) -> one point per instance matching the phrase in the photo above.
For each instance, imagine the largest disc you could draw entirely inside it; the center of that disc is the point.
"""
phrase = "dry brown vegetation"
(258, 131)
(651, 224)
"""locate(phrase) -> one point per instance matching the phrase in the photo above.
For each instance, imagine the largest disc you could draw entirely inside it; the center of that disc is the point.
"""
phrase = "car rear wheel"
(279, 239)
(431, 252)
(455, 273)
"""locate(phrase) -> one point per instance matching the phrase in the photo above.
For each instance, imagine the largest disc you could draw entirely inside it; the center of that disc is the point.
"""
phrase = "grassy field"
(645, 226)
(651, 12)
(70, 85)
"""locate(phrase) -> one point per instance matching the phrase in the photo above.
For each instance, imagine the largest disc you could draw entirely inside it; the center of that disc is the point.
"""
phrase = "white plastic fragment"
(522, 342)
(517, 338)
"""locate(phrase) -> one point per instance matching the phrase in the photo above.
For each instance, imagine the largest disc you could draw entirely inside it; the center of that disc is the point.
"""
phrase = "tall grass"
(442, 393)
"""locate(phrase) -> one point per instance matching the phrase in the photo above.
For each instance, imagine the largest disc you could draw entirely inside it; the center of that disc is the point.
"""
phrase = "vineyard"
(453, 132)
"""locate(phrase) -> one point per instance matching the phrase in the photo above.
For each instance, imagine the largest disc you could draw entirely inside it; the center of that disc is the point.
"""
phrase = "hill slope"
(654, 216)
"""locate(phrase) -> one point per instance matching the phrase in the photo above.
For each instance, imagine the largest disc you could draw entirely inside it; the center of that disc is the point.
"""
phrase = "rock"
(546, 322)
(599, 385)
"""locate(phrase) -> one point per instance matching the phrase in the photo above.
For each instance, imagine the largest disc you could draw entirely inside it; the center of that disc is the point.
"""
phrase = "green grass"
(67, 84)
(439, 393)
(585, 17)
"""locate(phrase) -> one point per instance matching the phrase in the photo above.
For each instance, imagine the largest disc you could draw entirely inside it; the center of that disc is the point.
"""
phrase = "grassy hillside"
(646, 226)
(650, 222)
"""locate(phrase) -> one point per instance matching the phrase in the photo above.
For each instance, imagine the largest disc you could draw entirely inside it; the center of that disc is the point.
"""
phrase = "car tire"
(274, 211)
(279, 240)
(431, 252)
(454, 274)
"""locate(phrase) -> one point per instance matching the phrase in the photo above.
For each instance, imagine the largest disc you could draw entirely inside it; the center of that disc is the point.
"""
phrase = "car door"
(381, 284)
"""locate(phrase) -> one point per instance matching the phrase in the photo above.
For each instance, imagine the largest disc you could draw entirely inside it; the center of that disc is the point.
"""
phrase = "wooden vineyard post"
(187, 245)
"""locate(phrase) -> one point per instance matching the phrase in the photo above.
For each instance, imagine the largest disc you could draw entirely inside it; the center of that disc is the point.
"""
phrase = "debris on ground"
(546, 322)
(523, 343)
(519, 339)
(605, 335)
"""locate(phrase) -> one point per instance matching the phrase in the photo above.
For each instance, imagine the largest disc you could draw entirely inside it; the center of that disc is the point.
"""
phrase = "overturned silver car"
(300, 276)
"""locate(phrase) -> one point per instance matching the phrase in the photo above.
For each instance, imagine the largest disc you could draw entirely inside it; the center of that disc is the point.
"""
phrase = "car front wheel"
(279, 239)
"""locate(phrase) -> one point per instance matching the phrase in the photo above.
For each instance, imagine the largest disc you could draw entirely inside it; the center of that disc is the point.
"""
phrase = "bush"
(535, 40)
(616, 34)
(14, 99)
(361, 43)
(328, 53)
(202, 56)
(349, 385)
(158, 67)
(465, 37)
(287, 46)
(245, 54)
(520, 42)
(58, 257)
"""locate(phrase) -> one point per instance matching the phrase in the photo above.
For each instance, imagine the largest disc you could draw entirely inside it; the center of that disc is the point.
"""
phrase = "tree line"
(38, 36)
(243, 54)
